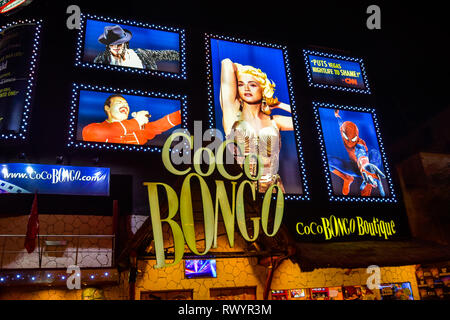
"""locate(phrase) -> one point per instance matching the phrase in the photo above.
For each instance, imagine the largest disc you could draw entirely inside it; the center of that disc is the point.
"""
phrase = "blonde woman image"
(247, 100)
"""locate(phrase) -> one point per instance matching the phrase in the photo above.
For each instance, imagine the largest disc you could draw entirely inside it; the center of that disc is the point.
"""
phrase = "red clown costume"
(358, 164)
(129, 131)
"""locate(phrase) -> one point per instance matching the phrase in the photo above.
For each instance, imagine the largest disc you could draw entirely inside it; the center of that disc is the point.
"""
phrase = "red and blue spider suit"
(358, 164)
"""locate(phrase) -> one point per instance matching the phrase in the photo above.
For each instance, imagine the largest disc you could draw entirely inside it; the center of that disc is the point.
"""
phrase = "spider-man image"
(353, 155)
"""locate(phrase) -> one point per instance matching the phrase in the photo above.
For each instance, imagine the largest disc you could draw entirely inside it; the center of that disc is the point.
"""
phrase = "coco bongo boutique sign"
(333, 227)
(186, 232)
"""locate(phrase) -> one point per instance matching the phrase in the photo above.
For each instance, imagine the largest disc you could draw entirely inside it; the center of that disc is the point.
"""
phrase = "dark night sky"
(407, 60)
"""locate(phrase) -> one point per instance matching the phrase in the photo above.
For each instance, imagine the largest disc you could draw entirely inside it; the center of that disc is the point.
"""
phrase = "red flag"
(33, 227)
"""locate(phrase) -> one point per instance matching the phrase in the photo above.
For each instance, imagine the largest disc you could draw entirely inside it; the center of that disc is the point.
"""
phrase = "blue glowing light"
(211, 108)
(307, 53)
(392, 198)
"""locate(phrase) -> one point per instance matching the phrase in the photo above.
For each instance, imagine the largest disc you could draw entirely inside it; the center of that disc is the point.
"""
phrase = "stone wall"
(236, 272)
(92, 251)
(135, 222)
(231, 272)
(289, 276)
(117, 292)
(245, 272)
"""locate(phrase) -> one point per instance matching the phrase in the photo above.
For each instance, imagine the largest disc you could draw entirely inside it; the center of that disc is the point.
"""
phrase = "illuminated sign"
(130, 46)
(230, 212)
(328, 228)
(354, 160)
(298, 293)
(53, 179)
(19, 43)
(338, 72)
(396, 291)
(245, 77)
(200, 269)
(119, 119)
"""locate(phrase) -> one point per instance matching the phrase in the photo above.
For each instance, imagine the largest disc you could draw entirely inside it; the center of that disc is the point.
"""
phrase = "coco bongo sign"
(186, 232)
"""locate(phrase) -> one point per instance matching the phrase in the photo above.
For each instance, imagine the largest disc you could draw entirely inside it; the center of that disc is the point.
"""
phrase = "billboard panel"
(354, 159)
(251, 103)
(123, 119)
(18, 55)
(115, 44)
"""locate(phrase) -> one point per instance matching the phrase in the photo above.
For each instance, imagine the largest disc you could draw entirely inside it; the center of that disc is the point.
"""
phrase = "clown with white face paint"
(359, 164)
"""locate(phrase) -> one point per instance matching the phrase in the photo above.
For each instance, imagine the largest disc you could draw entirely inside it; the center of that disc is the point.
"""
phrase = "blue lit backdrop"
(91, 109)
(270, 61)
(143, 38)
(335, 146)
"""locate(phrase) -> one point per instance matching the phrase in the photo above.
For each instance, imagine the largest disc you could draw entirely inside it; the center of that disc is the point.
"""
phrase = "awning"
(361, 254)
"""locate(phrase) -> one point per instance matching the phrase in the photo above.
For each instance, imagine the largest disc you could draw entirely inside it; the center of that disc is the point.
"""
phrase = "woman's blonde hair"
(267, 85)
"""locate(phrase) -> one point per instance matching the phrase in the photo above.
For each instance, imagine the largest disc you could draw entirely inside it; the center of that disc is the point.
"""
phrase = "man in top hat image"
(118, 52)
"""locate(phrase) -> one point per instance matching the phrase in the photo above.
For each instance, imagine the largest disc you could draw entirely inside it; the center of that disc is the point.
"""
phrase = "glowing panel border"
(307, 52)
(211, 112)
(332, 197)
(80, 46)
(74, 143)
(26, 114)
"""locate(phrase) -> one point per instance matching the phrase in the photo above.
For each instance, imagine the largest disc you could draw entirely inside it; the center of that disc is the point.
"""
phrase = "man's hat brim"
(103, 40)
